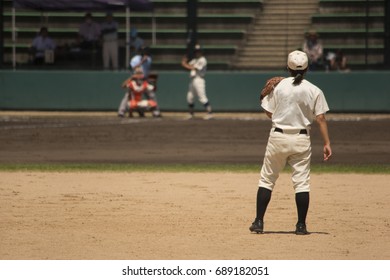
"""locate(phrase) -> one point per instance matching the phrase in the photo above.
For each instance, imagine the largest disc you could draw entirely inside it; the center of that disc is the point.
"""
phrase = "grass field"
(317, 168)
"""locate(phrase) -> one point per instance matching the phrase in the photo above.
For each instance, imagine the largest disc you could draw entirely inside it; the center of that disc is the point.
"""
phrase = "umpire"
(292, 107)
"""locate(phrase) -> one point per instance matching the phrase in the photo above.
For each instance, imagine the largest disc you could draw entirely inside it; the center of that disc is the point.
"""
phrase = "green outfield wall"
(367, 91)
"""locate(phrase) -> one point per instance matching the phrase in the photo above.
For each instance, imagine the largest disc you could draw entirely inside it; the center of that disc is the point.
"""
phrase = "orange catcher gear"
(137, 92)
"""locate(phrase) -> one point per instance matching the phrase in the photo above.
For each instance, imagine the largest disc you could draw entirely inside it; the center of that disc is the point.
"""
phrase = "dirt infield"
(134, 215)
(229, 138)
(188, 216)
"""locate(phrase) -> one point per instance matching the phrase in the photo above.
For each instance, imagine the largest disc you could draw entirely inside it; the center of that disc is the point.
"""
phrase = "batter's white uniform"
(197, 85)
(293, 108)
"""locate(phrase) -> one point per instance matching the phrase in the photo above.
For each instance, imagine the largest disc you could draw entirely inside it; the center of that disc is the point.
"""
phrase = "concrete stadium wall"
(366, 91)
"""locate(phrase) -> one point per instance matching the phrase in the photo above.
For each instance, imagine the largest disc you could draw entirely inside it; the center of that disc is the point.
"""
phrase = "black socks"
(263, 198)
(302, 201)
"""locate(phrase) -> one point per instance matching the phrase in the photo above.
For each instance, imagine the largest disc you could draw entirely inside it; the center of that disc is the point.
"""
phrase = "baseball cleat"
(190, 117)
(208, 117)
(257, 226)
(301, 229)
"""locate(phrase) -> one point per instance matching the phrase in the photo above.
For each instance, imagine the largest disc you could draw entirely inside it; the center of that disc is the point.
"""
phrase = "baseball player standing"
(197, 86)
(292, 107)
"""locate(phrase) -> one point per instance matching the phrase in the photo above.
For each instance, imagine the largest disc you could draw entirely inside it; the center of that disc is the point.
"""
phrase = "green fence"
(367, 91)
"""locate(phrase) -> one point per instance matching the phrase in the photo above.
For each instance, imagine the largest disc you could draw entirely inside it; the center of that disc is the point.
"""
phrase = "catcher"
(140, 95)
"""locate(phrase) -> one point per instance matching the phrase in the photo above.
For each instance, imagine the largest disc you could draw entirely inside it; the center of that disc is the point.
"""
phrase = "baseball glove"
(269, 86)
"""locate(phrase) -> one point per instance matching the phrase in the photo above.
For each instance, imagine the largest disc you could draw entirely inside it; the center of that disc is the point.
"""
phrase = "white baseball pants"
(124, 104)
(282, 148)
(197, 87)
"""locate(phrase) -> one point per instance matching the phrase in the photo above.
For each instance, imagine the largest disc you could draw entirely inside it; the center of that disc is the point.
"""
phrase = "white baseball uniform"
(197, 85)
(293, 108)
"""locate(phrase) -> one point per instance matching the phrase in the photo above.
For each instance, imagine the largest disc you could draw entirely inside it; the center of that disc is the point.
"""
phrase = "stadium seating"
(354, 26)
(222, 25)
(277, 30)
(236, 34)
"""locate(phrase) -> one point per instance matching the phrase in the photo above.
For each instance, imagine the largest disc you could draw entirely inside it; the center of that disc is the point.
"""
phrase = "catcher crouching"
(140, 95)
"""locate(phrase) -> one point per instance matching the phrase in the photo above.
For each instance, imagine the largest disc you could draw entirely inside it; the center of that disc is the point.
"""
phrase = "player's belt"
(302, 131)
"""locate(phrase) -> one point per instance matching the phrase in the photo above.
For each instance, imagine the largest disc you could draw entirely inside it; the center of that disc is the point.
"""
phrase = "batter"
(292, 107)
(197, 86)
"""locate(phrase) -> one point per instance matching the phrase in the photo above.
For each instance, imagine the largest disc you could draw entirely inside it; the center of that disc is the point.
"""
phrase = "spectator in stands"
(136, 42)
(42, 48)
(89, 33)
(337, 61)
(312, 46)
(109, 31)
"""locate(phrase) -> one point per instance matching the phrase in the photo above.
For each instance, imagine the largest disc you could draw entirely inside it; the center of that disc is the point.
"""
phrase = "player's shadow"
(291, 232)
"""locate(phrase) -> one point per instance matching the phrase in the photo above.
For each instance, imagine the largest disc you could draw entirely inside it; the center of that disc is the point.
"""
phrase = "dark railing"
(1, 33)
(367, 30)
(386, 49)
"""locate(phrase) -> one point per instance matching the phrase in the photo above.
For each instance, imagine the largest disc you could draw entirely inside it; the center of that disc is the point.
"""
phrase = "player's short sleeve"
(268, 103)
(320, 106)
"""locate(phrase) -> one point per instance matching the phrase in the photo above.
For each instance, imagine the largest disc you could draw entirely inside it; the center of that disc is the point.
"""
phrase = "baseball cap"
(297, 60)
